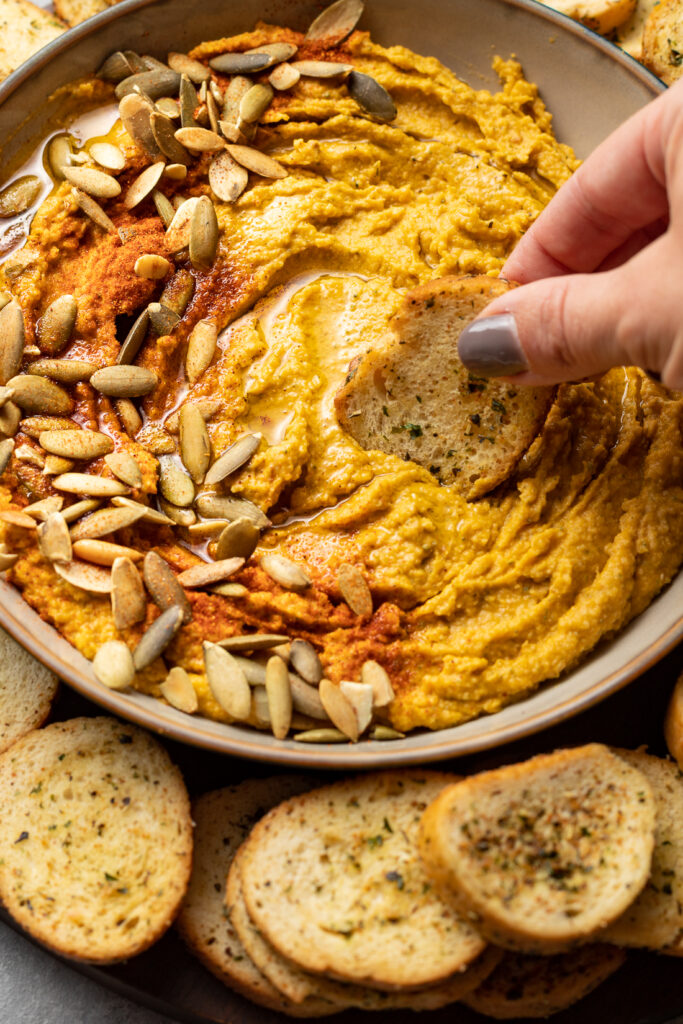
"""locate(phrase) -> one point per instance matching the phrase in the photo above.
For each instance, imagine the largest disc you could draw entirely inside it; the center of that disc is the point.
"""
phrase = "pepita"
(254, 671)
(163, 320)
(370, 96)
(89, 485)
(76, 444)
(227, 682)
(252, 641)
(208, 573)
(104, 521)
(230, 590)
(155, 440)
(163, 586)
(283, 77)
(169, 107)
(128, 601)
(184, 65)
(200, 140)
(33, 426)
(56, 324)
(113, 665)
(115, 68)
(108, 156)
(385, 732)
(195, 447)
(321, 68)
(284, 571)
(159, 82)
(13, 517)
(79, 508)
(152, 64)
(238, 540)
(143, 185)
(91, 578)
(10, 417)
(151, 267)
(7, 560)
(27, 453)
(256, 161)
(178, 292)
(136, 115)
(201, 346)
(359, 696)
(178, 690)
(93, 182)
(227, 178)
(374, 675)
(174, 483)
(125, 468)
(320, 736)
(207, 406)
(157, 637)
(180, 516)
(39, 395)
(6, 449)
(212, 111)
(104, 552)
(276, 51)
(93, 210)
(129, 417)
(137, 64)
(19, 195)
(306, 699)
(354, 589)
(55, 465)
(178, 231)
(176, 172)
(12, 339)
(164, 133)
(188, 102)
(240, 63)
(217, 506)
(338, 709)
(233, 458)
(54, 540)
(203, 234)
(59, 155)
(279, 694)
(133, 340)
(65, 371)
(124, 381)
(336, 22)
(255, 102)
(164, 206)
(305, 661)
(208, 528)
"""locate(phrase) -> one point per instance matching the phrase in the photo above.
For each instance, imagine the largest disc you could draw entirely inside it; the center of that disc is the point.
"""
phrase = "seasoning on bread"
(663, 41)
(27, 690)
(25, 29)
(413, 398)
(95, 838)
(542, 855)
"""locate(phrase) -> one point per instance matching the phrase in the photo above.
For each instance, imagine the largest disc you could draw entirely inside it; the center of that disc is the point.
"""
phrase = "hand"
(606, 261)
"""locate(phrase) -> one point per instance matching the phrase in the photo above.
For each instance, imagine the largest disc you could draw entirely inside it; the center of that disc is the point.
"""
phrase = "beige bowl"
(591, 87)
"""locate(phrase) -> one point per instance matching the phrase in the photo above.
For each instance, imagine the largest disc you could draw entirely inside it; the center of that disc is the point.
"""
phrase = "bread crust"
(663, 41)
(27, 691)
(25, 29)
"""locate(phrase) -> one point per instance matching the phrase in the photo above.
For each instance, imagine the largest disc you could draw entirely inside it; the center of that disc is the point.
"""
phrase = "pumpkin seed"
(143, 185)
(175, 485)
(124, 381)
(151, 267)
(178, 691)
(238, 540)
(200, 140)
(39, 395)
(7, 560)
(12, 339)
(354, 589)
(201, 346)
(108, 156)
(359, 696)
(128, 600)
(180, 516)
(284, 571)
(385, 732)
(217, 506)
(338, 709)
(25, 453)
(207, 406)
(76, 444)
(10, 417)
(87, 577)
(255, 102)
(89, 485)
(215, 91)
(133, 340)
(19, 195)
(159, 82)
(163, 585)
(66, 371)
(336, 22)
(157, 637)
(178, 231)
(227, 178)
(230, 590)
(252, 641)
(195, 447)
(203, 234)
(163, 320)
(176, 172)
(321, 68)
(208, 573)
(254, 671)
(55, 465)
(79, 508)
(54, 540)
(136, 62)
(240, 63)
(125, 468)
(284, 76)
(59, 155)
(276, 51)
(104, 552)
(136, 115)
(15, 518)
(370, 96)
(56, 324)
(155, 440)
(113, 665)
(305, 661)
(279, 693)
(93, 182)
(256, 161)
(374, 675)
(104, 522)
(227, 682)
(93, 210)
(164, 134)
(6, 449)
(178, 292)
(209, 528)
(320, 736)
(168, 106)
(230, 131)
(212, 111)
(184, 65)
(115, 68)
(306, 699)
(188, 102)
(33, 426)
(233, 458)
(152, 64)
(130, 418)
(164, 207)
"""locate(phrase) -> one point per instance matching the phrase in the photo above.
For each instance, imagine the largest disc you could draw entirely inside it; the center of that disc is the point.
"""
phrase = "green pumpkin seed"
(128, 599)
(39, 395)
(76, 444)
(201, 347)
(227, 682)
(320, 736)
(151, 267)
(12, 339)
(212, 111)
(93, 210)
(169, 107)
(104, 521)
(233, 458)
(195, 447)
(175, 485)
(279, 693)
(256, 161)
(125, 468)
(180, 516)
(159, 82)
(240, 63)
(89, 485)
(306, 662)
(178, 232)
(115, 68)
(178, 292)
(163, 585)
(199, 140)
(90, 578)
(277, 52)
(163, 320)
(203, 234)
(207, 574)
(336, 22)
(58, 155)
(92, 182)
(56, 324)
(227, 179)
(133, 340)
(79, 508)
(370, 96)
(164, 133)
(17, 197)
(216, 506)
(152, 64)
(238, 539)
(306, 699)
(385, 732)
(157, 637)
(207, 406)
(164, 207)
(252, 641)
(136, 115)
(65, 371)
(124, 381)
(255, 102)
(108, 156)
(143, 185)
(321, 68)
(184, 65)
(129, 417)
(189, 102)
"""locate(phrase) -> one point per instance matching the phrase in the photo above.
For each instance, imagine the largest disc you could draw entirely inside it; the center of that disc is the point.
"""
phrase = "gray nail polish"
(491, 347)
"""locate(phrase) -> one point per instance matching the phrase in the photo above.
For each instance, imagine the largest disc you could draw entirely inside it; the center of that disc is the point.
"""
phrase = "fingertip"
(490, 347)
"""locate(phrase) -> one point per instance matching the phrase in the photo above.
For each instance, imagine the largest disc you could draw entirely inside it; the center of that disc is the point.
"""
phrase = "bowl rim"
(24, 624)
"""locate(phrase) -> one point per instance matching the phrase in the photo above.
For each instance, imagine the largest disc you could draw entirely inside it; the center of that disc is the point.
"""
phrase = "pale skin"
(602, 267)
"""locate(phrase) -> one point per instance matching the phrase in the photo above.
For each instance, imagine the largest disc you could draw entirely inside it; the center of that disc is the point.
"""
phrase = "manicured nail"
(491, 347)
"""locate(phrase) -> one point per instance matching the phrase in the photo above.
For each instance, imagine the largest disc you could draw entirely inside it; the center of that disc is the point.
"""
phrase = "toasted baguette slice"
(537, 986)
(673, 724)
(95, 838)
(24, 29)
(299, 985)
(73, 12)
(655, 919)
(27, 690)
(222, 821)
(601, 15)
(629, 36)
(308, 865)
(542, 855)
(663, 41)
(415, 399)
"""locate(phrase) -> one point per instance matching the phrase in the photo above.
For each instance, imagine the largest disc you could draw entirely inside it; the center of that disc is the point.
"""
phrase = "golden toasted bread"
(24, 29)
(629, 36)
(543, 855)
(27, 690)
(663, 41)
(673, 724)
(601, 15)
(73, 12)
(95, 838)
(413, 398)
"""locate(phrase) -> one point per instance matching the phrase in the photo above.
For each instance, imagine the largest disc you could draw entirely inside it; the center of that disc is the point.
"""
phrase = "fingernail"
(491, 347)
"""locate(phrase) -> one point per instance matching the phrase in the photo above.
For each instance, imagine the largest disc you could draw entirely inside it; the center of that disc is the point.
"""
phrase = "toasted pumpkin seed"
(66, 371)
(157, 637)
(155, 440)
(136, 62)
(151, 267)
(178, 231)
(359, 696)
(113, 665)
(237, 540)
(85, 576)
(56, 324)
(233, 458)
(208, 573)
(336, 22)
(124, 381)
(212, 111)
(53, 538)
(230, 590)
(178, 690)
(159, 82)
(93, 210)
(176, 172)
(338, 709)
(255, 102)
(227, 682)
(124, 466)
(164, 207)
(201, 347)
(164, 134)
(10, 416)
(283, 77)
(231, 132)
(385, 732)
(76, 444)
(174, 483)
(305, 661)
(39, 395)
(169, 107)
(16, 518)
(180, 516)
(136, 115)
(195, 447)
(216, 506)
(133, 340)
(19, 195)
(7, 560)
(276, 51)
(6, 449)
(227, 178)
(79, 508)
(284, 571)
(93, 182)
(12, 339)
(207, 406)
(33, 426)
(200, 140)
(240, 63)
(256, 161)
(104, 552)
(354, 589)
(373, 674)
(89, 485)
(55, 465)
(152, 64)
(209, 528)
(252, 641)
(128, 601)
(59, 155)
(203, 234)
(115, 68)
(306, 699)
(143, 185)
(163, 320)
(279, 693)
(130, 418)
(320, 736)
(178, 292)
(188, 102)
(163, 585)
(26, 453)
(108, 156)
(321, 68)
(254, 671)
(104, 521)
(184, 65)
(370, 96)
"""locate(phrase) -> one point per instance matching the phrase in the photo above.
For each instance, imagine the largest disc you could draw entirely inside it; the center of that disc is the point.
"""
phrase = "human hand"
(602, 267)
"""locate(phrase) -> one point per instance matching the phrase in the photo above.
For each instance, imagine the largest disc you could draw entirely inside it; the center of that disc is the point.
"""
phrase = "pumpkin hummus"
(475, 603)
